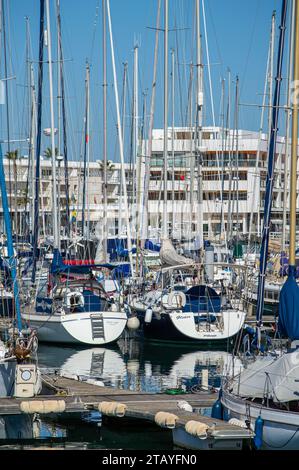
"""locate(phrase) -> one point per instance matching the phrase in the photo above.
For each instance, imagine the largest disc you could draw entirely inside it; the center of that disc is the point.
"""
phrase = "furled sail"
(100, 255)
(288, 320)
(169, 257)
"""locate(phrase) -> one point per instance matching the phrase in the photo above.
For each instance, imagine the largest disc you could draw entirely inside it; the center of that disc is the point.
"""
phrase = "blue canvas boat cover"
(149, 245)
(58, 266)
(288, 321)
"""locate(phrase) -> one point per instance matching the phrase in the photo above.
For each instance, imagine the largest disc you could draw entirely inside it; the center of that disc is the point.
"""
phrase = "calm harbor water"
(133, 365)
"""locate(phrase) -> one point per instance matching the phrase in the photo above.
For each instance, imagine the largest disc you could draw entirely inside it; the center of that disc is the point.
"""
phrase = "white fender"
(133, 323)
(148, 315)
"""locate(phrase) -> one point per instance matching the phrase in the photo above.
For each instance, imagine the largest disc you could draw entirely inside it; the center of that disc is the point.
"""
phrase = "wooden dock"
(79, 396)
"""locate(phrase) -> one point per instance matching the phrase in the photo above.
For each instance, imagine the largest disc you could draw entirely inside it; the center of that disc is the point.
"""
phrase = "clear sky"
(238, 37)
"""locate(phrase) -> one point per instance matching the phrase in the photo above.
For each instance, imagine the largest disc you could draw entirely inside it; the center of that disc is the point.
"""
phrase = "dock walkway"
(80, 396)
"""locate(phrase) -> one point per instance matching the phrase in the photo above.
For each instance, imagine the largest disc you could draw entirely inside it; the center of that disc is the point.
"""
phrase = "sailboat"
(72, 307)
(19, 374)
(265, 394)
(173, 312)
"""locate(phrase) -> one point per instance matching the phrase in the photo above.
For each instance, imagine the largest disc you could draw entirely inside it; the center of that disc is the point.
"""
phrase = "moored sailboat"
(265, 394)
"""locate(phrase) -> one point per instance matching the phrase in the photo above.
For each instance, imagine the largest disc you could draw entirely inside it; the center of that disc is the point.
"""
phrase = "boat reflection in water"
(136, 366)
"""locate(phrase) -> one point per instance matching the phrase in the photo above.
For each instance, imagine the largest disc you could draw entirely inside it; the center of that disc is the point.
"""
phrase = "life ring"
(176, 299)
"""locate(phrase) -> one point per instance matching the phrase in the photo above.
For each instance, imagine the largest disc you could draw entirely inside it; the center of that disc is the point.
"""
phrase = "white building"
(233, 185)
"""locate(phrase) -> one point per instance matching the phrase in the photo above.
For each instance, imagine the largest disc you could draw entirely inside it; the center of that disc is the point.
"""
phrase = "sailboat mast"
(86, 138)
(199, 106)
(165, 143)
(293, 190)
(270, 172)
(172, 135)
(136, 161)
(124, 93)
(288, 122)
(148, 150)
(64, 125)
(54, 179)
(38, 137)
(105, 216)
(270, 77)
(121, 148)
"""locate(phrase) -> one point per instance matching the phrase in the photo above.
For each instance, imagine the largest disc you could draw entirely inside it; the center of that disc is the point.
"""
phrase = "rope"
(286, 443)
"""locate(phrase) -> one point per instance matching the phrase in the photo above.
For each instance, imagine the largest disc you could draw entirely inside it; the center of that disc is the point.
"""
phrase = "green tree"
(48, 152)
(110, 165)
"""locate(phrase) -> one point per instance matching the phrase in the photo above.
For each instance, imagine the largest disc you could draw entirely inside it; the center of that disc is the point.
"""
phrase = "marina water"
(133, 365)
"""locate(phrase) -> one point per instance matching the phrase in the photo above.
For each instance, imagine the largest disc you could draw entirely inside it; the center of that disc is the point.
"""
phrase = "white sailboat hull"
(184, 322)
(280, 429)
(79, 328)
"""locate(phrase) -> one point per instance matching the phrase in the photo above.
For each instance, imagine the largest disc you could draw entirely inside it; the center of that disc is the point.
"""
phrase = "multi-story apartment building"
(233, 185)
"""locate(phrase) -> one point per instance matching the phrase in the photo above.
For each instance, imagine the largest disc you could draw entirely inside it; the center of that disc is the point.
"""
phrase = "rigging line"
(6, 99)
(216, 38)
(178, 71)
(95, 24)
(250, 45)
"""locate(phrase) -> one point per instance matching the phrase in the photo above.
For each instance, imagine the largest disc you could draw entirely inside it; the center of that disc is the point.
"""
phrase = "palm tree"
(48, 152)
(110, 165)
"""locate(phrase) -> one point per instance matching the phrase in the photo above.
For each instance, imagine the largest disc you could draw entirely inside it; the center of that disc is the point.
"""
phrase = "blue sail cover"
(149, 245)
(58, 266)
(288, 321)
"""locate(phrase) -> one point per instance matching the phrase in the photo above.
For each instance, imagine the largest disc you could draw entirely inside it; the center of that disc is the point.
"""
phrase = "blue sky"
(238, 35)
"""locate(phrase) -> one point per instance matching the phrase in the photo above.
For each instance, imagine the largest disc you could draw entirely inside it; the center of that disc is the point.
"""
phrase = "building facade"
(233, 169)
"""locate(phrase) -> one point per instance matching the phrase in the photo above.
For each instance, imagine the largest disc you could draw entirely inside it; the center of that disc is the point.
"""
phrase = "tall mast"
(124, 93)
(86, 149)
(135, 138)
(270, 173)
(237, 153)
(54, 180)
(121, 149)
(289, 294)
(64, 125)
(105, 217)
(191, 161)
(32, 129)
(32, 153)
(293, 189)
(165, 143)
(270, 77)
(172, 134)
(38, 137)
(199, 107)
(3, 26)
(148, 150)
(288, 120)
(58, 116)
